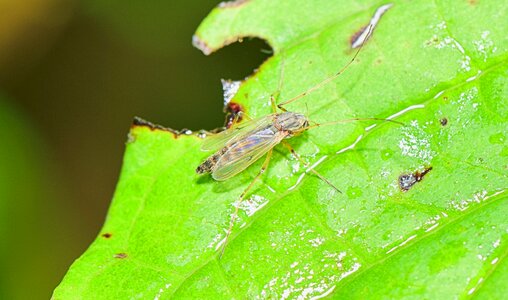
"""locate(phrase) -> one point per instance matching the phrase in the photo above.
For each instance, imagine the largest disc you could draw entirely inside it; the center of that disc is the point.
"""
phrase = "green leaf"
(440, 67)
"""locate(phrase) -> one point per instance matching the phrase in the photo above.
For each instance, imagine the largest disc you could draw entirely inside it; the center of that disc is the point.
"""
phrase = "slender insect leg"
(274, 105)
(243, 114)
(287, 145)
(239, 116)
(240, 199)
(273, 101)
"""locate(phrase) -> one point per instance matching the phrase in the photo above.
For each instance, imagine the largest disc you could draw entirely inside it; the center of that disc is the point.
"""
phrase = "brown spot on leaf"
(443, 121)
(120, 255)
(144, 123)
(138, 122)
(406, 181)
(107, 235)
(354, 38)
(236, 3)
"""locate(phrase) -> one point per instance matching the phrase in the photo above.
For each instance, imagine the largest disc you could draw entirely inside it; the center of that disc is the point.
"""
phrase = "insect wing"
(219, 140)
(245, 153)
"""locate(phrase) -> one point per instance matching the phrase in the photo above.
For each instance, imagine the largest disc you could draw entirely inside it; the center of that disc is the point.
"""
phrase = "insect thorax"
(290, 121)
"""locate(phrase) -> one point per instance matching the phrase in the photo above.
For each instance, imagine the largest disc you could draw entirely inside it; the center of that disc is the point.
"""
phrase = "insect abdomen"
(210, 162)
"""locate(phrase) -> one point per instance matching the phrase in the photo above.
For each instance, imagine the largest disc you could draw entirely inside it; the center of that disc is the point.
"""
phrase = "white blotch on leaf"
(464, 204)
(485, 45)
(229, 88)
(465, 103)
(416, 142)
(317, 241)
(161, 291)
(216, 241)
(253, 204)
(441, 39)
(306, 278)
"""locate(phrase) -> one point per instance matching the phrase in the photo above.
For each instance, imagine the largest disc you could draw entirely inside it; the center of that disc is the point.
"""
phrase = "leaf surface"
(424, 205)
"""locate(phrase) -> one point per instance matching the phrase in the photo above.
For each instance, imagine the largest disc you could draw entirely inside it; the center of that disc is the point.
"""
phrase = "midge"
(243, 144)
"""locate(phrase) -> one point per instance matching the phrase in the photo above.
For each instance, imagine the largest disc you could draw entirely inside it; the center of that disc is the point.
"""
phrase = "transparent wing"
(245, 153)
(219, 140)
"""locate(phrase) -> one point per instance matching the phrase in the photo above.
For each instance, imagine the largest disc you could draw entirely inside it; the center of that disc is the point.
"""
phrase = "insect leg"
(243, 114)
(240, 199)
(287, 145)
(273, 100)
(329, 79)
(274, 105)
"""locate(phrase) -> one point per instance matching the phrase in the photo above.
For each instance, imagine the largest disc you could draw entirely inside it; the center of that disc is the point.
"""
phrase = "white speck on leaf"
(317, 241)
(162, 290)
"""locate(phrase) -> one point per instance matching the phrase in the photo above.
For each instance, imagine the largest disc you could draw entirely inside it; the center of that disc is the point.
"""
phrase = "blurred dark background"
(73, 74)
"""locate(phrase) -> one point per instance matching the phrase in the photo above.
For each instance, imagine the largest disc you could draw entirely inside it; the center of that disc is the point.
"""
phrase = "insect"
(244, 143)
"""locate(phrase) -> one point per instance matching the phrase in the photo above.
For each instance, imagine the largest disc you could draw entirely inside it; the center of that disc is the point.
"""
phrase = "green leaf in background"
(438, 66)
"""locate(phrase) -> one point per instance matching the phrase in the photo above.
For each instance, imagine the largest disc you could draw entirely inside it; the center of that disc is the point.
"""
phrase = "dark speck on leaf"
(406, 181)
(107, 235)
(443, 121)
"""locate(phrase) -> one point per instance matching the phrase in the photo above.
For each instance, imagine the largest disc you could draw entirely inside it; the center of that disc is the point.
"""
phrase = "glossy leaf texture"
(424, 204)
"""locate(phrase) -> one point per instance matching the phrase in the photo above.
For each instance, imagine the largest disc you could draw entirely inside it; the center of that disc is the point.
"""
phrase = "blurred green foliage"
(38, 237)
(76, 73)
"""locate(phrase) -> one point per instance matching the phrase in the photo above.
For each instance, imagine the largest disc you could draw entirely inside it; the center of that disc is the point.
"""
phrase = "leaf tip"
(201, 45)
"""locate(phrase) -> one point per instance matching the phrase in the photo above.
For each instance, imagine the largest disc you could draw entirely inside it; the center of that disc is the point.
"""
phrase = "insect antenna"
(331, 78)
(351, 120)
